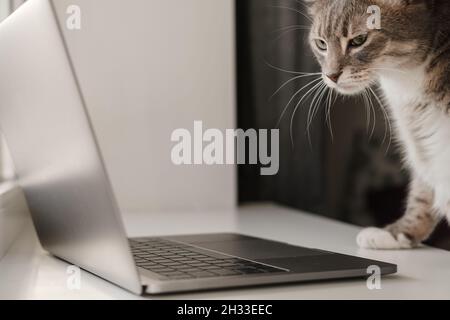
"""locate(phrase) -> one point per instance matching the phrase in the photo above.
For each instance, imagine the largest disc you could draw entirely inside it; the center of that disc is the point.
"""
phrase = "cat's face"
(351, 53)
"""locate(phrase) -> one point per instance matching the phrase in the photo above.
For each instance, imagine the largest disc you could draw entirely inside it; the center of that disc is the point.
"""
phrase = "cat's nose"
(335, 76)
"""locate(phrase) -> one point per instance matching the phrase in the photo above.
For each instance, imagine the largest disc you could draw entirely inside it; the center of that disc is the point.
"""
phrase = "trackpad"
(259, 249)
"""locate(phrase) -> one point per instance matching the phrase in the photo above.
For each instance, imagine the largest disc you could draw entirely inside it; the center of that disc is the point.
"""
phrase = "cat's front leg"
(414, 227)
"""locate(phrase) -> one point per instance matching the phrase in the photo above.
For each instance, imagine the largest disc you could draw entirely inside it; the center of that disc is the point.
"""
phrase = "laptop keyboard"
(177, 261)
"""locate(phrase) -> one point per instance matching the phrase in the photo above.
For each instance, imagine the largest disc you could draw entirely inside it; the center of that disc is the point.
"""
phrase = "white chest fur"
(424, 133)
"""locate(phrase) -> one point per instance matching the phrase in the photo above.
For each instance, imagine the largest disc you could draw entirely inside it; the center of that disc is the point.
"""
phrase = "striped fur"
(409, 57)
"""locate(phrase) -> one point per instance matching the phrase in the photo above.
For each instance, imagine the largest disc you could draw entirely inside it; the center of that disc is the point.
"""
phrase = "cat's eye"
(359, 40)
(321, 44)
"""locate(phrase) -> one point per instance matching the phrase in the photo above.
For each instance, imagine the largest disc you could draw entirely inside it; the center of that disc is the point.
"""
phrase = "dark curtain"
(268, 41)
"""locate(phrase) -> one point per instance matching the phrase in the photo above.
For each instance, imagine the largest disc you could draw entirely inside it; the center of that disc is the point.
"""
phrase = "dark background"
(355, 177)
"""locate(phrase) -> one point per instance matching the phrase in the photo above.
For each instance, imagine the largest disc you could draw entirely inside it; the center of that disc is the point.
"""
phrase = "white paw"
(374, 238)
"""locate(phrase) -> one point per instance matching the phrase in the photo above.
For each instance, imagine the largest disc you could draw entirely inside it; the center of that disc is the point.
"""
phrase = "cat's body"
(410, 59)
(423, 131)
(422, 128)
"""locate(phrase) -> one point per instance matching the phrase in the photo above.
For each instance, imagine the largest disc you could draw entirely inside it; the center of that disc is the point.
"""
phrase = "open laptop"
(44, 118)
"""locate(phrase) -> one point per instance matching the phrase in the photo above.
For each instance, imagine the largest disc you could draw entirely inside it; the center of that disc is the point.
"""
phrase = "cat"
(409, 58)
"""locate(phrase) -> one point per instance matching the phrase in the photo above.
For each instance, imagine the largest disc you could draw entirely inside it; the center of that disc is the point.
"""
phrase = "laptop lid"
(58, 164)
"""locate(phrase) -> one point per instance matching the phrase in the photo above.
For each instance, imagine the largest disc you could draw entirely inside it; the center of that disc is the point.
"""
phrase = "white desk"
(27, 272)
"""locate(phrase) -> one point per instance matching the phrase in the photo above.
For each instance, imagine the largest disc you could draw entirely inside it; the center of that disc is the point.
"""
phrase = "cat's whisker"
(335, 98)
(372, 107)
(293, 10)
(291, 80)
(328, 112)
(295, 26)
(311, 109)
(316, 105)
(371, 111)
(290, 30)
(286, 70)
(310, 91)
(312, 105)
(293, 97)
(301, 3)
(366, 108)
(387, 119)
(315, 110)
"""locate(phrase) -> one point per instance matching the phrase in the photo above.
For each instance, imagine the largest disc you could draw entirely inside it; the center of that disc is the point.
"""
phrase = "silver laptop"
(58, 163)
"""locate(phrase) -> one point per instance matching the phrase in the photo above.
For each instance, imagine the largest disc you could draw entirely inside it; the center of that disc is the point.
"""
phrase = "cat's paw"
(380, 239)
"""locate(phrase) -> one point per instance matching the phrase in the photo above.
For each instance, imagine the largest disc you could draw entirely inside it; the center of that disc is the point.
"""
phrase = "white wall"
(147, 67)
(4, 12)
(6, 165)
(4, 9)
(7, 6)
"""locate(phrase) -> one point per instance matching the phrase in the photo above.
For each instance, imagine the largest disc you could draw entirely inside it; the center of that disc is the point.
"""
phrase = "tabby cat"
(409, 58)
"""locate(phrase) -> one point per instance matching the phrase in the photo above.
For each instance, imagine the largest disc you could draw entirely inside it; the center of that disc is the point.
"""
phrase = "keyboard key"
(182, 259)
(191, 269)
(211, 268)
(172, 264)
(198, 256)
(186, 267)
(199, 264)
(148, 264)
(178, 262)
(161, 260)
(227, 265)
(206, 259)
(148, 255)
(160, 269)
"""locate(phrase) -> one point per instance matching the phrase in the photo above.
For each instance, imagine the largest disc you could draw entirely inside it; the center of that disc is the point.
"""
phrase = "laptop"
(44, 119)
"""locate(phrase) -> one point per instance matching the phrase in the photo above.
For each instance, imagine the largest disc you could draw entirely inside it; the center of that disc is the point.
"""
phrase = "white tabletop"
(28, 272)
